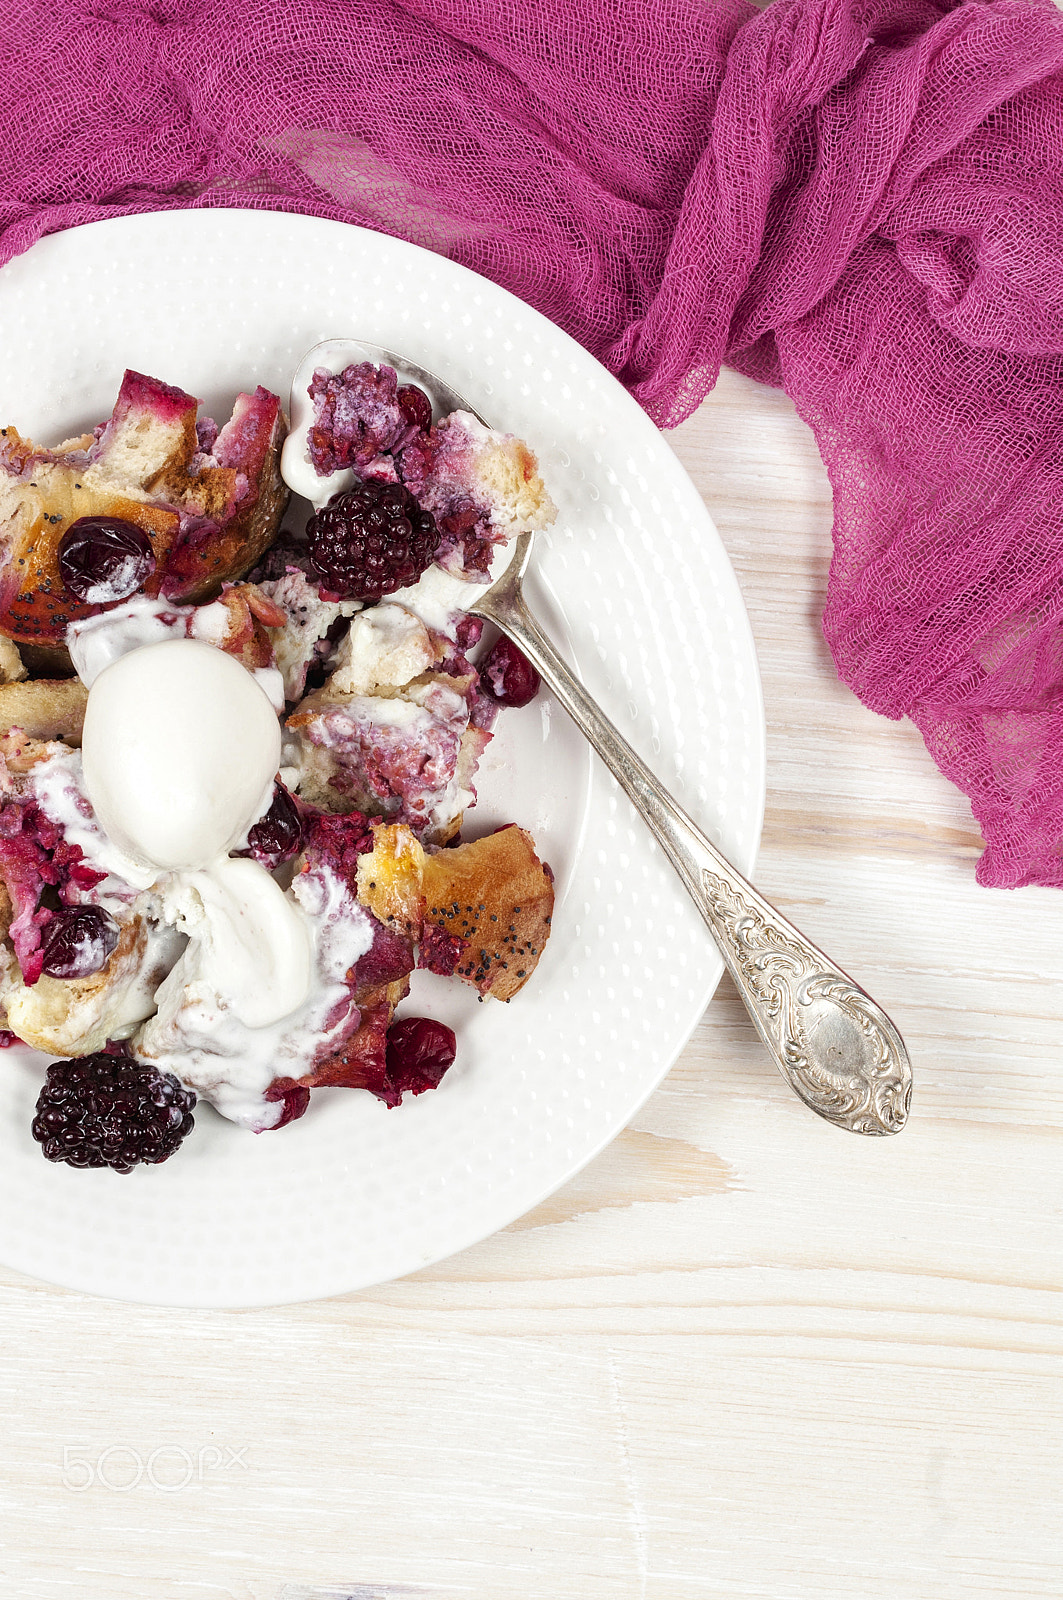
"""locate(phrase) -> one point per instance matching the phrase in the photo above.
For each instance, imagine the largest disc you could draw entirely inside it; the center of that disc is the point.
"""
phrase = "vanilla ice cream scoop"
(180, 750)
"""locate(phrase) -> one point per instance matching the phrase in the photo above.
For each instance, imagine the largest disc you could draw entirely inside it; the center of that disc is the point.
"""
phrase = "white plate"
(633, 582)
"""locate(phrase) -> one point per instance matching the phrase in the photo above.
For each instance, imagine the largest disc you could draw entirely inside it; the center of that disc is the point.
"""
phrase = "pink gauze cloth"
(860, 200)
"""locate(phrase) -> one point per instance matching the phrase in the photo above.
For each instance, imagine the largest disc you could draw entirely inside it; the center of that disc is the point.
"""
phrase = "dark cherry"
(294, 1097)
(415, 406)
(279, 835)
(419, 1051)
(508, 676)
(104, 559)
(77, 941)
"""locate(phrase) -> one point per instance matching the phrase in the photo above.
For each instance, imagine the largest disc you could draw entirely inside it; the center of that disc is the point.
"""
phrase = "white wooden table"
(742, 1354)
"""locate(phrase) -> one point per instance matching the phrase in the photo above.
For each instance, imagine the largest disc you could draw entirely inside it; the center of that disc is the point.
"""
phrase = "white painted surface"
(741, 1355)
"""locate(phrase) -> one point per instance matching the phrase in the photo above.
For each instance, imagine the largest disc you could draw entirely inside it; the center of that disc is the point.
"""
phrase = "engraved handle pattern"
(836, 1047)
(833, 1044)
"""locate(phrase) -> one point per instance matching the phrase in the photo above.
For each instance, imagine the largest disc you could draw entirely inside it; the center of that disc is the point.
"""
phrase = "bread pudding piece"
(405, 751)
(118, 952)
(397, 729)
(489, 904)
(367, 890)
(75, 1016)
(208, 502)
(361, 961)
(39, 719)
(304, 637)
(44, 709)
(479, 911)
(384, 648)
(483, 488)
(397, 753)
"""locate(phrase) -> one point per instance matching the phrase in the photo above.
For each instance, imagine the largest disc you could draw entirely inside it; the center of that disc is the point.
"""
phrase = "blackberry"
(371, 541)
(111, 1111)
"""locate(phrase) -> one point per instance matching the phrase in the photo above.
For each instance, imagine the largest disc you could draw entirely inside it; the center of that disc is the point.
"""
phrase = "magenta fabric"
(860, 200)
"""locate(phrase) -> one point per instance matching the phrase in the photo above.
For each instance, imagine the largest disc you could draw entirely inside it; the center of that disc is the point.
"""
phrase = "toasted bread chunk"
(12, 667)
(44, 709)
(505, 472)
(496, 897)
(34, 515)
(75, 1016)
(390, 879)
(208, 517)
(248, 452)
(404, 750)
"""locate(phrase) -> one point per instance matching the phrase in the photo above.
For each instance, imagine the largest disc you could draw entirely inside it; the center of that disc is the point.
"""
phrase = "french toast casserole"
(236, 750)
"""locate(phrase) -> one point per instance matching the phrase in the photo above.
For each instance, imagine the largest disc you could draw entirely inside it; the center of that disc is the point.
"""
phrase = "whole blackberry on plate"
(111, 1111)
(371, 541)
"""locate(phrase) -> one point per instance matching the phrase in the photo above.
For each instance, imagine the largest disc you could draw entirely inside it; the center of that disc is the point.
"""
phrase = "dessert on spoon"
(834, 1045)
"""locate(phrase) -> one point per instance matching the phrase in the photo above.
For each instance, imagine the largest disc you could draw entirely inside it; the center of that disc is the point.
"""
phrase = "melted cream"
(440, 599)
(98, 641)
(179, 753)
(297, 469)
(247, 941)
(198, 1035)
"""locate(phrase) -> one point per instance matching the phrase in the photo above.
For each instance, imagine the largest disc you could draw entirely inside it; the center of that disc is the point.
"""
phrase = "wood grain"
(741, 1354)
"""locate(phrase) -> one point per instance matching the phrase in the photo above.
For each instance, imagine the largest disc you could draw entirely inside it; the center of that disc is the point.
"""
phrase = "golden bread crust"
(495, 894)
(44, 708)
(390, 879)
(34, 516)
(246, 537)
(75, 1016)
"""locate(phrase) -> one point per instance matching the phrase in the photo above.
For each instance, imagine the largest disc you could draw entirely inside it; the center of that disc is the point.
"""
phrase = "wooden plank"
(741, 1354)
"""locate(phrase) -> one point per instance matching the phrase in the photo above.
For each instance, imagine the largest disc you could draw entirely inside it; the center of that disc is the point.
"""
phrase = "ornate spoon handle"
(836, 1048)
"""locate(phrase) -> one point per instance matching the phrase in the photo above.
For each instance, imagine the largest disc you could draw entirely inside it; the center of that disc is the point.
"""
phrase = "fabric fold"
(860, 200)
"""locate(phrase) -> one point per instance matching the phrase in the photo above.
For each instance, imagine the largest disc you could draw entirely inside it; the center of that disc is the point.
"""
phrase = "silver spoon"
(834, 1045)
